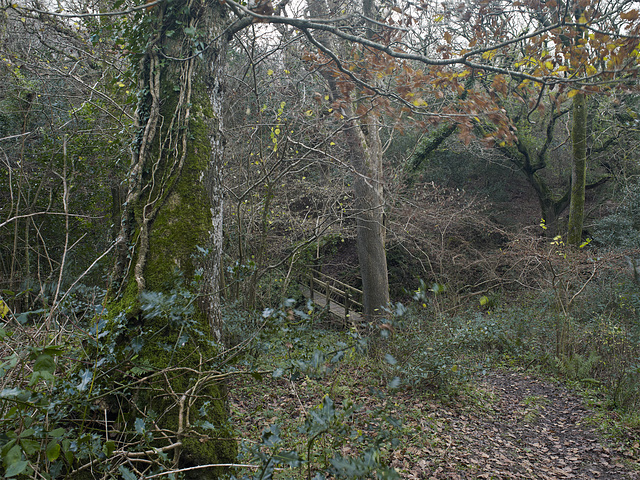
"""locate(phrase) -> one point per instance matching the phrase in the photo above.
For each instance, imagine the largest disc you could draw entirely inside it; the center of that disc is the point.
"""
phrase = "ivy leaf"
(53, 451)
(16, 469)
(271, 436)
(109, 447)
(29, 446)
(4, 309)
(390, 360)
(43, 368)
(291, 458)
(208, 425)
(10, 392)
(139, 425)
(338, 356)
(86, 377)
(66, 445)
(126, 473)
(58, 432)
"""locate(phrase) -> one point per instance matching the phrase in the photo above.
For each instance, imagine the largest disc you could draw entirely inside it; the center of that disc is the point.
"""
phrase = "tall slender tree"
(362, 138)
(578, 169)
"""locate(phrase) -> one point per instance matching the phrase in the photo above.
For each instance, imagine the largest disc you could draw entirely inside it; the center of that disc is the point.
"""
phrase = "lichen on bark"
(578, 170)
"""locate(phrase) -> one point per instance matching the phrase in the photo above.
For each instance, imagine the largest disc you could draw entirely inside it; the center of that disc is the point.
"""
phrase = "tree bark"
(171, 230)
(173, 207)
(362, 136)
(366, 158)
(578, 170)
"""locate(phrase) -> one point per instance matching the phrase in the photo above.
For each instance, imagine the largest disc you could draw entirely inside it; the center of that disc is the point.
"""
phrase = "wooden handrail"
(348, 292)
(328, 287)
(335, 280)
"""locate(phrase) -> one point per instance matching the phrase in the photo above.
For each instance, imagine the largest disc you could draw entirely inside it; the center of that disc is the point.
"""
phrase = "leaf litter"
(512, 426)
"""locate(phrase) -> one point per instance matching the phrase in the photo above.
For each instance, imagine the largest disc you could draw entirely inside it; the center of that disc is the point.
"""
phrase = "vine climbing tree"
(171, 230)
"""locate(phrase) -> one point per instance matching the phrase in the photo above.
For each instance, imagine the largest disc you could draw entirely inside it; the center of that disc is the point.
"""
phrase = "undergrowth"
(343, 389)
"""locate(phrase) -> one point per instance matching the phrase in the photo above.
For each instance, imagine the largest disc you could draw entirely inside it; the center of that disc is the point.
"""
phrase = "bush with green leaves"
(328, 428)
(72, 407)
(68, 409)
(288, 344)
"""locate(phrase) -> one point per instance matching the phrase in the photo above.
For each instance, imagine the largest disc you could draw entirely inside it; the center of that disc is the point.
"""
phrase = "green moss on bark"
(578, 170)
(185, 401)
(182, 401)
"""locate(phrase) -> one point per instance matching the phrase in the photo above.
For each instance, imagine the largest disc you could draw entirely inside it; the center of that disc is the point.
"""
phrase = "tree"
(485, 42)
(361, 131)
(172, 221)
(567, 37)
(578, 170)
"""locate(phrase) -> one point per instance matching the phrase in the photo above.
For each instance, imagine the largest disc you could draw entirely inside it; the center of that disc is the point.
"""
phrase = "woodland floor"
(507, 425)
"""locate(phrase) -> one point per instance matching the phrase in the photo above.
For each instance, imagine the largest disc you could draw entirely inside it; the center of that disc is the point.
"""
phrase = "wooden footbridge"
(338, 298)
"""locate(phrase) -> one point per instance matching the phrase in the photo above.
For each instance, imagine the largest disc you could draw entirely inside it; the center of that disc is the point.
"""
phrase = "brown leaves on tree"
(483, 63)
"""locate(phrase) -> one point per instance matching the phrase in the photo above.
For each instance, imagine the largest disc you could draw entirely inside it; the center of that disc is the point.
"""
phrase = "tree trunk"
(366, 158)
(171, 230)
(578, 170)
(365, 152)
(551, 205)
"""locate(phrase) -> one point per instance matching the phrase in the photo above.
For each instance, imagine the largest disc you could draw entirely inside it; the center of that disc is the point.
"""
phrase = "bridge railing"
(332, 290)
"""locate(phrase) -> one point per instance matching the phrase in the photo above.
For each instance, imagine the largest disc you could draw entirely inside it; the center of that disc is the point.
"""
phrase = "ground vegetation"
(171, 172)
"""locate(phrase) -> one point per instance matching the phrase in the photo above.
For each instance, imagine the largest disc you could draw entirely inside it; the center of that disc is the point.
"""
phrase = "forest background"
(172, 171)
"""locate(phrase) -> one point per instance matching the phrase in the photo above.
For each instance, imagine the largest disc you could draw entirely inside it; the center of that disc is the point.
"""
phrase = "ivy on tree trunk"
(171, 230)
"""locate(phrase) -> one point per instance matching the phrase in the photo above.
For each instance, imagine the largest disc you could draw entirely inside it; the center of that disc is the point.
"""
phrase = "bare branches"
(341, 27)
(61, 14)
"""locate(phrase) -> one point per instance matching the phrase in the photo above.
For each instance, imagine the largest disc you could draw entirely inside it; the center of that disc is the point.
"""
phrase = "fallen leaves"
(518, 428)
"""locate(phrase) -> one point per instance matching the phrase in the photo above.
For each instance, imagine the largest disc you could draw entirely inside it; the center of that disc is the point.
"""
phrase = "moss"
(579, 170)
(158, 398)
(185, 219)
(182, 224)
(200, 446)
(127, 303)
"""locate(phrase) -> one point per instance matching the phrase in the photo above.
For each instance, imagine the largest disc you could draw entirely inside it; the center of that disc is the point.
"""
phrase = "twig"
(213, 465)
(27, 215)
(65, 204)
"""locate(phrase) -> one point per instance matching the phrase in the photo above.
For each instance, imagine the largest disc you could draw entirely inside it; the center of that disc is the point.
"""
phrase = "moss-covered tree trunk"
(165, 282)
(578, 170)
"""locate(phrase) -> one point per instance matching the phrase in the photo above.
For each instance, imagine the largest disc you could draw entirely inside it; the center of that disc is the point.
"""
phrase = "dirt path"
(529, 430)
(511, 426)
